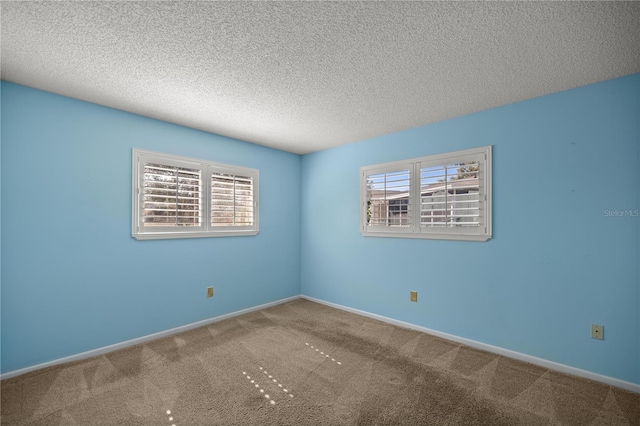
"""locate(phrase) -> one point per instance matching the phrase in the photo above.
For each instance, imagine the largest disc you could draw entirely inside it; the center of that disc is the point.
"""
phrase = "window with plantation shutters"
(171, 196)
(450, 195)
(178, 197)
(444, 196)
(388, 203)
(231, 200)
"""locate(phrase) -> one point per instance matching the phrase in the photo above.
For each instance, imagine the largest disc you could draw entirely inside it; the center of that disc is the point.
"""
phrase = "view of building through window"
(449, 196)
(429, 197)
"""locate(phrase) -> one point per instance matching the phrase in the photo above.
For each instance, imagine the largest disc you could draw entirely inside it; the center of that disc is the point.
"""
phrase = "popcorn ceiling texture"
(305, 76)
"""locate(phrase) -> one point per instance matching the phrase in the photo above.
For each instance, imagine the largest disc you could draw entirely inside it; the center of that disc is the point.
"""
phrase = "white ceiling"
(305, 76)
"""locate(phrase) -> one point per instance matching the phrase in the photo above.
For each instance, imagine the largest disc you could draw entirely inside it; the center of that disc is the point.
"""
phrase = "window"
(445, 196)
(177, 197)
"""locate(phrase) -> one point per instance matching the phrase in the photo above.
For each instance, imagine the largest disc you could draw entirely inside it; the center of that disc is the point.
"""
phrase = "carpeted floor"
(302, 363)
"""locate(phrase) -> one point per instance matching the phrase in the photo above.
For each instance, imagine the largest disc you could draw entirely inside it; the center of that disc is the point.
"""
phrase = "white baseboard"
(493, 349)
(138, 340)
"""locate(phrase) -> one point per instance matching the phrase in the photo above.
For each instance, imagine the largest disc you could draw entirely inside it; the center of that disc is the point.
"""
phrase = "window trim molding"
(414, 230)
(138, 232)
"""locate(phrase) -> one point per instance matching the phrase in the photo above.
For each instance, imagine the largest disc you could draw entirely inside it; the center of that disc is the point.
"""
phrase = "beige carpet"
(302, 363)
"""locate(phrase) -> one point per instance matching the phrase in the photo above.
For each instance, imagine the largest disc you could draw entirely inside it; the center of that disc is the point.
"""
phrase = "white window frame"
(206, 168)
(480, 232)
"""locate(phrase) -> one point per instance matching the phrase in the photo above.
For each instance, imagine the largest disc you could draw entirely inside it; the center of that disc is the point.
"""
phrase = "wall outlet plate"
(597, 332)
(209, 291)
(413, 296)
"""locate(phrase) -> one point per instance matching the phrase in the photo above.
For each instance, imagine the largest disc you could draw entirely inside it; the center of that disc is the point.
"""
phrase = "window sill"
(430, 236)
(176, 235)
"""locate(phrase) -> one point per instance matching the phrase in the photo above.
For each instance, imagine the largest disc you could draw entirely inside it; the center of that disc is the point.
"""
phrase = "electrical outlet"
(413, 296)
(597, 332)
(209, 291)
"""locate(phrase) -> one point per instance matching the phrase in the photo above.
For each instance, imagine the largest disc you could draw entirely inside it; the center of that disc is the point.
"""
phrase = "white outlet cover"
(597, 331)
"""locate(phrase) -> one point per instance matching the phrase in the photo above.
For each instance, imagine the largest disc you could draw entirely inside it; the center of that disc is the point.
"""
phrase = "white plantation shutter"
(178, 197)
(172, 196)
(388, 201)
(450, 195)
(444, 196)
(231, 200)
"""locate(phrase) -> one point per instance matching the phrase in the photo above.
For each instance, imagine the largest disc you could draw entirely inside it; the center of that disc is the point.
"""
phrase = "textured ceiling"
(305, 76)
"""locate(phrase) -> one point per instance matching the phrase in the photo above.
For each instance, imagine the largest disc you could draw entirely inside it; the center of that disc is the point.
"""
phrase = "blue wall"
(73, 279)
(558, 261)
